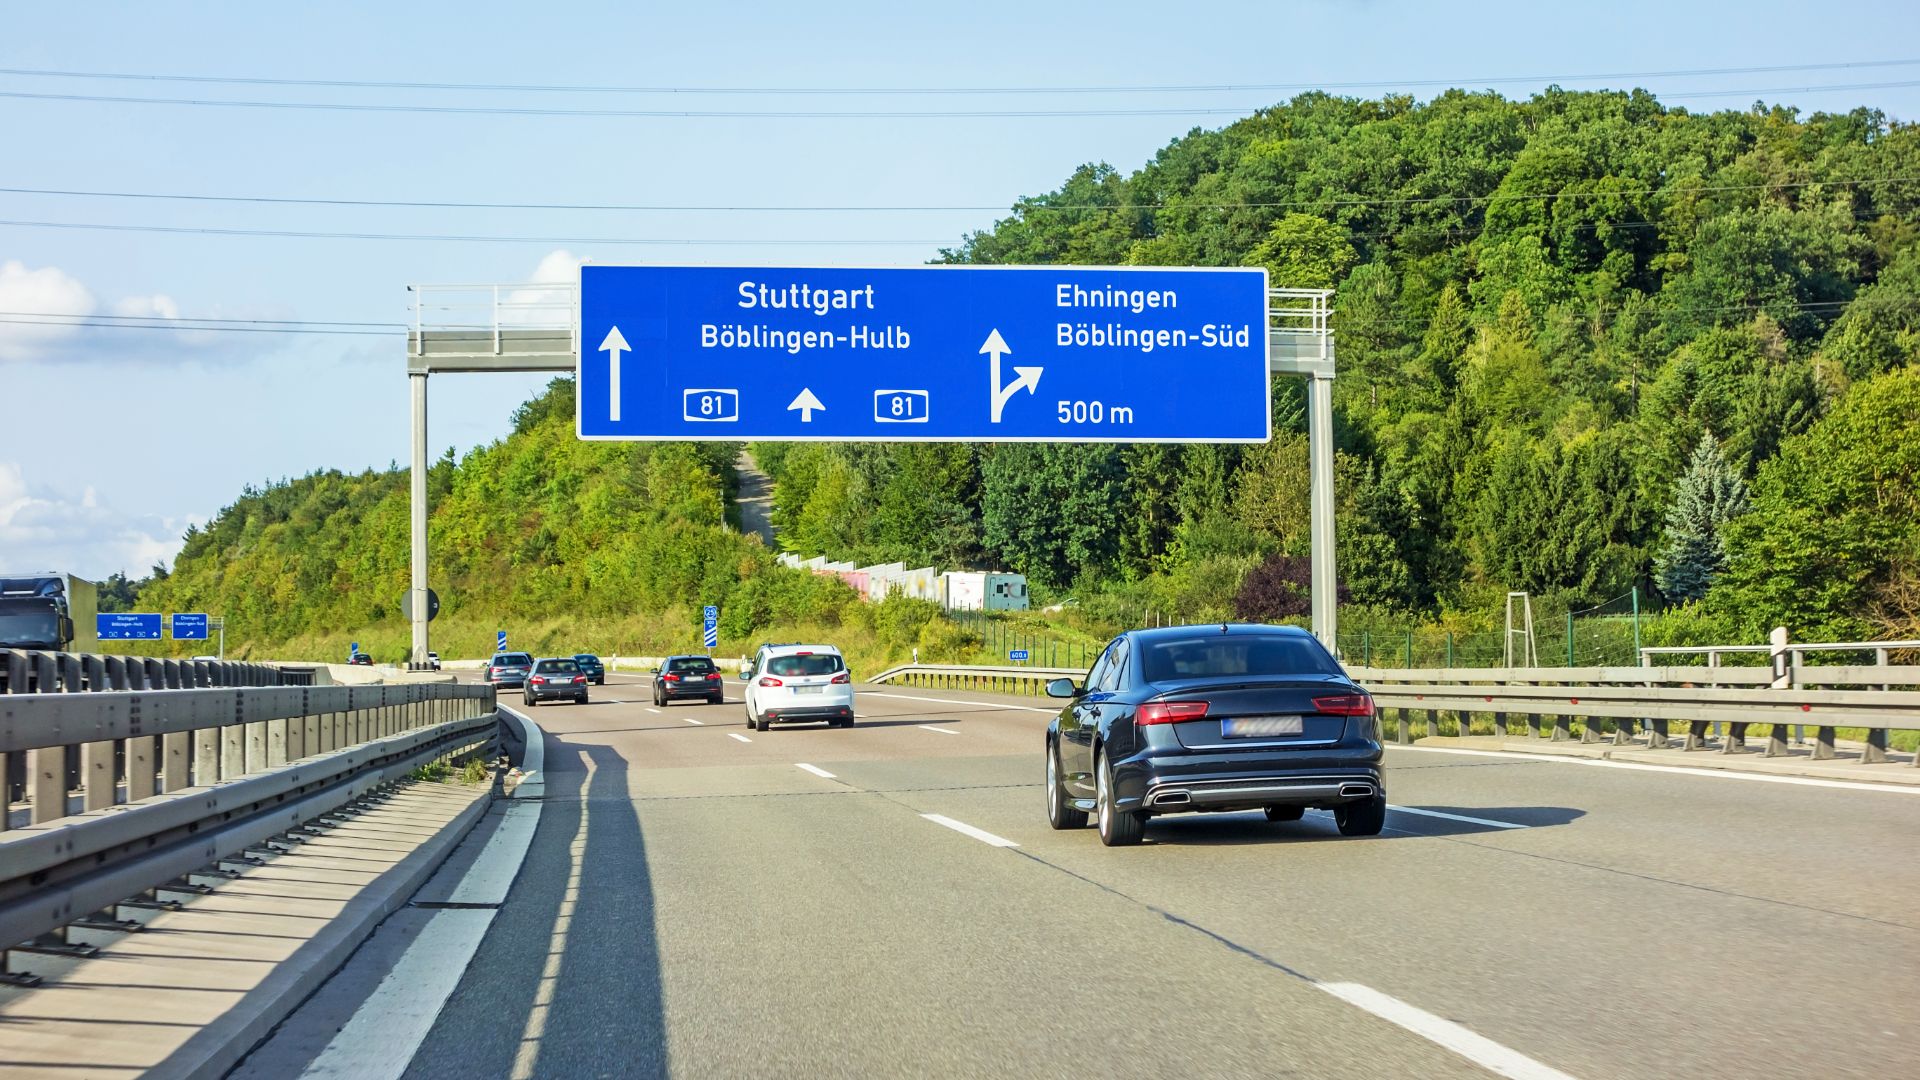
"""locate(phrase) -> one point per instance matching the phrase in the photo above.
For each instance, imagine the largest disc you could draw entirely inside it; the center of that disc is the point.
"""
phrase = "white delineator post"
(417, 591)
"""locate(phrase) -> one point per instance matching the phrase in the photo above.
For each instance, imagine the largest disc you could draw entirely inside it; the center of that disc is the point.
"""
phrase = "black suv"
(1194, 718)
(687, 677)
(508, 670)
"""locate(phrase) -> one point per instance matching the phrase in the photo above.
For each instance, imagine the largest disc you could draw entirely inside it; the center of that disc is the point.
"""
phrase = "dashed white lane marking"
(742, 738)
(1476, 1048)
(691, 720)
(651, 709)
(965, 829)
(814, 769)
(1719, 774)
(941, 730)
(1459, 817)
(952, 701)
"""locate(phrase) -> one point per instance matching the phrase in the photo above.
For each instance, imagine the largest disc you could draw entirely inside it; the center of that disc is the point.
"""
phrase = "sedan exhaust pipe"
(1355, 791)
(1171, 798)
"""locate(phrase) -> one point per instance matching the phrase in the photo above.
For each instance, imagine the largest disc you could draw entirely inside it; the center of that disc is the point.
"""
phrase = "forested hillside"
(1544, 309)
(1587, 343)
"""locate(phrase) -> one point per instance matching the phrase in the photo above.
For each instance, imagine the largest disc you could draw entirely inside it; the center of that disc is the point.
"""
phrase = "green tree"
(1706, 498)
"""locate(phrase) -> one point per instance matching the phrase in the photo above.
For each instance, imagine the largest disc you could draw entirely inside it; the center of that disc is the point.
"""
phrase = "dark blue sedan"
(591, 667)
(1185, 719)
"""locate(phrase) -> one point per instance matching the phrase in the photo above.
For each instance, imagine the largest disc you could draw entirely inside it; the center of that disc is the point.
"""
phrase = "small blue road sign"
(500, 641)
(189, 627)
(710, 631)
(1018, 654)
(128, 626)
(936, 353)
(353, 649)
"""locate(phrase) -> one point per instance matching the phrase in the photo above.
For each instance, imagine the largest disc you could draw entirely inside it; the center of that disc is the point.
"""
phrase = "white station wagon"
(799, 684)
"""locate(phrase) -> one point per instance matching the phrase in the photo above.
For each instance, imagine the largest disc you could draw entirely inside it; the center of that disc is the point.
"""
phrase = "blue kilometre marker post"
(1012, 354)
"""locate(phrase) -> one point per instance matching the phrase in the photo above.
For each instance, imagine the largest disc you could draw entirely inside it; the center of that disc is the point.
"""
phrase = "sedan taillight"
(771, 681)
(579, 678)
(1170, 712)
(844, 677)
(538, 680)
(1345, 705)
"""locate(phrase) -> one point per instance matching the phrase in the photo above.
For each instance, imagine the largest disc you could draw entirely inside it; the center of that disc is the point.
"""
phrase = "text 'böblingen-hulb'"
(801, 297)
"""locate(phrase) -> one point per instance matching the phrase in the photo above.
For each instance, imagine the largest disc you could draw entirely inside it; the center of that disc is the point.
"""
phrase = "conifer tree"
(1709, 494)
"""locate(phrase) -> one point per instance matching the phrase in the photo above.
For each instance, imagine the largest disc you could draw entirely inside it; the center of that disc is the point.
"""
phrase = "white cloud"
(157, 306)
(548, 306)
(41, 531)
(25, 294)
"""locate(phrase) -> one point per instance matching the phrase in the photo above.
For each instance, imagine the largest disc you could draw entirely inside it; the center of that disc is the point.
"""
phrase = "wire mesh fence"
(1605, 635)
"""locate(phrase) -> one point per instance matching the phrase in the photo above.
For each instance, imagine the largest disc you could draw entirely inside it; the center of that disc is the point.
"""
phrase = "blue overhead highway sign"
(189, 628)
(128, 626)
(953, 353)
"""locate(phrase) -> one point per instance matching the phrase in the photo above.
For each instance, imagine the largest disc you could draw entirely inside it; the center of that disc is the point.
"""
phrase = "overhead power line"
(305, 234)
(1024, 206)
(582, 88)
(808, 114)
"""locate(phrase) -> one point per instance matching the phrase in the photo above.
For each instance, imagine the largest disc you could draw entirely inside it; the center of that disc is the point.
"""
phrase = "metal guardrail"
(172, 780)
(1620, 698)
(1009, 679)
(1823, 697)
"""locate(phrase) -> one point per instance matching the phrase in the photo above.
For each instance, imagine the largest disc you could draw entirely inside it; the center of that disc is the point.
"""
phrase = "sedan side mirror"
(1063, 688)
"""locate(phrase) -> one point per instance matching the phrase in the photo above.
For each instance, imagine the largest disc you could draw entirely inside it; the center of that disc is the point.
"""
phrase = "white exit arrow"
(806, 403)
(613, 346)
(1026, 378)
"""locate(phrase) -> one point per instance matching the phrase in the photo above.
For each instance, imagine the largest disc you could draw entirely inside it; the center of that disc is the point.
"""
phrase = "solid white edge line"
(963, 828)
(951, 701)
(814, 769)
(737, 735)
(384, 1033)
(941, 730)
(379, 1041)
(1459, 817)
(1680, 770)
(691, 720)
(1476, 1048)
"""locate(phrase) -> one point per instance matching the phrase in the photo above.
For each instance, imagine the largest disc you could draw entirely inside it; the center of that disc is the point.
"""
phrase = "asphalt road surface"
(887, 900)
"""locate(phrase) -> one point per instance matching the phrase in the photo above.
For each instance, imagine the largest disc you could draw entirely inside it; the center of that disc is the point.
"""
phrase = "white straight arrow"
(613, 346)
(806, 403)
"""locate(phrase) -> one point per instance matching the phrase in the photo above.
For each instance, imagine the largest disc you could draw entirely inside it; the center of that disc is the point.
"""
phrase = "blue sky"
(112, 441)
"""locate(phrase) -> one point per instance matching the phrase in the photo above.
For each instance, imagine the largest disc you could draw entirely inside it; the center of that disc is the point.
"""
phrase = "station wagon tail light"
(1170, 712)
(844, 677)
(579, 678)
(1345, 705)
(539, 680)
(771, 681)
(671, 678)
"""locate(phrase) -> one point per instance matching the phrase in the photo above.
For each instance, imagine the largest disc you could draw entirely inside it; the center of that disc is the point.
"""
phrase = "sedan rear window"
(698, 665)
(804, 664)
(553, 667)
(1210, 656)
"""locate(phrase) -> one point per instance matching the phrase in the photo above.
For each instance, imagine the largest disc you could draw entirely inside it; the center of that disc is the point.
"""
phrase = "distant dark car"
(590, 665)
(556, 678)
(360, 658)
(508, 670)
(680, 677)
(1197, 718)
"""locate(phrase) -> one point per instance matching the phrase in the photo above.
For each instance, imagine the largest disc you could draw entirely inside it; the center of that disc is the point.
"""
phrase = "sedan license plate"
(1254, 727)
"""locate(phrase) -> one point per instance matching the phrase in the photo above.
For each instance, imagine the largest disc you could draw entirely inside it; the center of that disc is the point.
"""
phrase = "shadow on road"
(567, 981)
(1318, 825)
